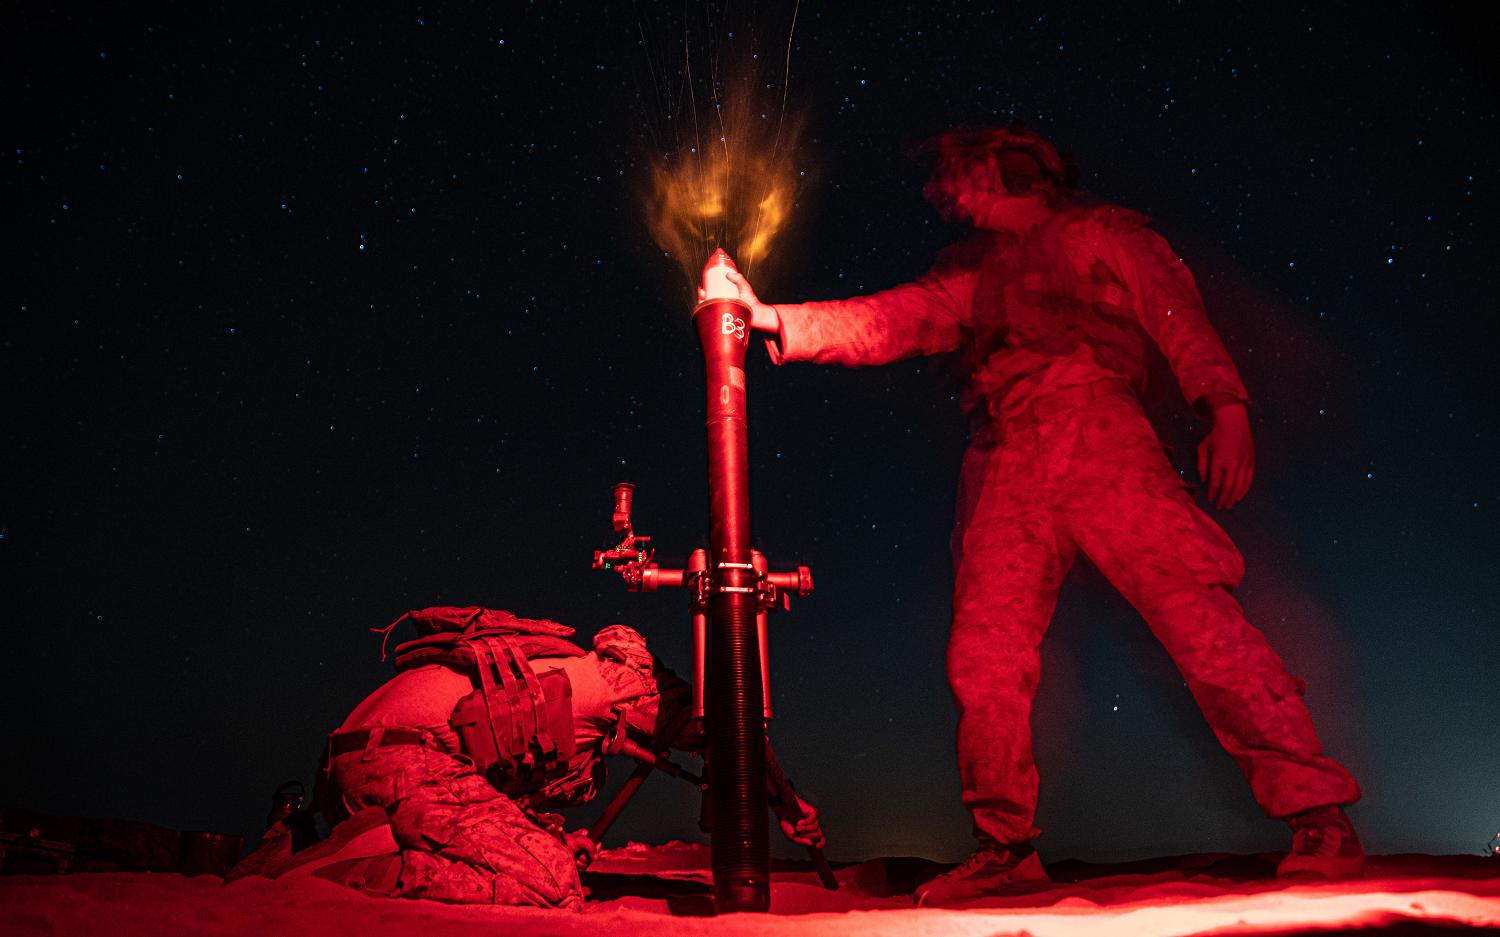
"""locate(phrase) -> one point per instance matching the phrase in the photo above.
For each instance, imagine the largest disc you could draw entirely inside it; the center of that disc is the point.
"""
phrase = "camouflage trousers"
(461, 840)
(1095, 479)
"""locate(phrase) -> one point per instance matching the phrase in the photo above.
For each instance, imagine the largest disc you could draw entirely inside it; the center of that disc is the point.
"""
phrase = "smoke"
(723, 138)
(730, 197)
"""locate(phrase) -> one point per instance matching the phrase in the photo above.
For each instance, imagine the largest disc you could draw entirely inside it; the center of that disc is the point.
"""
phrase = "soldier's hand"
(763, 318)
(584, 849)
(1226, 457)
(807, 831)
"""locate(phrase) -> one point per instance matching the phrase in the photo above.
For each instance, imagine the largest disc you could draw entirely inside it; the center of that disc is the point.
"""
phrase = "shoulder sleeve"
(925, 317)
(1166, 301)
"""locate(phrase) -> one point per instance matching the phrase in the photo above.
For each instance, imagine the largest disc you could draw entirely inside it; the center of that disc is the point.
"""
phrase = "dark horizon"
(320, 315)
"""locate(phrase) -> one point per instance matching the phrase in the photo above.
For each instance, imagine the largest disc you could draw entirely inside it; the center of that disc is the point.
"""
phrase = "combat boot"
(990, 872)
(1324, 848)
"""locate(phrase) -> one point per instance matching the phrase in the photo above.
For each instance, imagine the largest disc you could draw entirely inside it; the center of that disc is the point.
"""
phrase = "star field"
(317, 314)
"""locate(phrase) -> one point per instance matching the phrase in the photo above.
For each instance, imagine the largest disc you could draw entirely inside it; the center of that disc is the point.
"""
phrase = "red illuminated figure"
(1054, 299)
(491, 722)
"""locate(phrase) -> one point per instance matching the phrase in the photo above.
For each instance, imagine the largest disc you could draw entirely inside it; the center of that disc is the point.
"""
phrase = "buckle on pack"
(614, 740)
(372, 742)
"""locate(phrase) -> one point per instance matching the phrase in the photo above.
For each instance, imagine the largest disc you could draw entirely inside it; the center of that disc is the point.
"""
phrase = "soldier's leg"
(461, 840)
(1130, 512)
(464, 842)
(1010, 564)
(973, 476)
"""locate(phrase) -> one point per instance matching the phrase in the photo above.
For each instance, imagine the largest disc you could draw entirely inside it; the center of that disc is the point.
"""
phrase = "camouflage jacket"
(1074, 301)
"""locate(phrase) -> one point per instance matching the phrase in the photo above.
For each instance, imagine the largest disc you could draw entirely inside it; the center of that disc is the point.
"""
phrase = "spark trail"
(738, 188)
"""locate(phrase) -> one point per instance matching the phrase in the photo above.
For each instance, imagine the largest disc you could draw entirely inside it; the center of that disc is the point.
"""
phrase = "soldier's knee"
(542, 867)
(517, 893)
(994, 631)
(437, 878)
(989, 670)
(513, 876)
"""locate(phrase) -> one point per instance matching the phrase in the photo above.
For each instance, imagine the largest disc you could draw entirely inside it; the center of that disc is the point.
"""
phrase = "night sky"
(315, 313)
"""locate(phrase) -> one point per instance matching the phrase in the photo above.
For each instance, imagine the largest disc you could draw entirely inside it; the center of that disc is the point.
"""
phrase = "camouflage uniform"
(461, 839)
(1056, 325)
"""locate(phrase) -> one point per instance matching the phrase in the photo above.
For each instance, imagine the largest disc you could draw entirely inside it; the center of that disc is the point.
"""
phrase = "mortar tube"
(740, 845)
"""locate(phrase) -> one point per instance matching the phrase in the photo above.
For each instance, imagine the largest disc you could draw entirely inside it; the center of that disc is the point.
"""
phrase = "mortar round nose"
(716, 283)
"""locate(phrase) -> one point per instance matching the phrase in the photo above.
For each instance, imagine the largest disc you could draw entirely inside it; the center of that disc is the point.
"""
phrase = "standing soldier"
(1053, 299)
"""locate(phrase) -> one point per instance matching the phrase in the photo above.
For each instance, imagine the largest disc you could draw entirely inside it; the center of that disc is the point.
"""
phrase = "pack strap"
(386, 633)
(484, 657)
(538, 699)
(501, 655)
(538, 707)
(364, 740)
(468, 619)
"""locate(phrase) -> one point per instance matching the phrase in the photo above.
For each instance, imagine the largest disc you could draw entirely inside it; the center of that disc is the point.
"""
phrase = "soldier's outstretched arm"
(925, 317)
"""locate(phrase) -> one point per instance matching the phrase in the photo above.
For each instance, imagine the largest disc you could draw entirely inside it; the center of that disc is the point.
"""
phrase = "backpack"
(517, 725)
(442, 628)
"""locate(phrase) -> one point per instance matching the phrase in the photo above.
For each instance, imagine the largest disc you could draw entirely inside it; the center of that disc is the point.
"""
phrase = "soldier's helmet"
(624, 645)
(983, 158)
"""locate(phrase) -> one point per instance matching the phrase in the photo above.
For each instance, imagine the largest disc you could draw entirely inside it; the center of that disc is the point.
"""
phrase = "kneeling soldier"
(491, 720)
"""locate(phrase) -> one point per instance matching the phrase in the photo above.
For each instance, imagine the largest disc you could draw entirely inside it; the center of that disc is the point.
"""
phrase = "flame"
(736, 191)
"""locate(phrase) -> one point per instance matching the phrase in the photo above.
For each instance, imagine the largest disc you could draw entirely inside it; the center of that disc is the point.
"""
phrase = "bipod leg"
(647, 762)
(784, 802)
(782, 796)
(620, 801)
(660, 762)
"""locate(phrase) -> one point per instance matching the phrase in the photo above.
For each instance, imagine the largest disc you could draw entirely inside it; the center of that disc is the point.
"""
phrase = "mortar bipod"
(773, 591)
